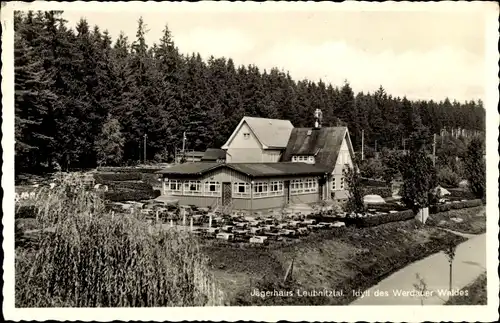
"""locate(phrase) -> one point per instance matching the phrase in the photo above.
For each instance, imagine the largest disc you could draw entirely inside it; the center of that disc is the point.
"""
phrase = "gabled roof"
(214, 154)
(272, 133)
(252, 170)
(323, 143)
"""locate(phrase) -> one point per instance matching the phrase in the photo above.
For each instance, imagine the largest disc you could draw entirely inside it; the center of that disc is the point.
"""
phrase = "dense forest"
(79, 93)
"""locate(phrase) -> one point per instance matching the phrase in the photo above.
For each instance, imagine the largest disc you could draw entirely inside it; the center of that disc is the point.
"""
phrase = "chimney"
(318, 116)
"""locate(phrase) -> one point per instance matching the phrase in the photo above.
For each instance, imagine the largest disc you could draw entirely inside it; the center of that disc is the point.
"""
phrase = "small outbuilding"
(214, 155)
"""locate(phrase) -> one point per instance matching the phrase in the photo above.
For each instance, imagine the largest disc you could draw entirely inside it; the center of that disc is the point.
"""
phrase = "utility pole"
(183, 144)
(434, 151)
(145, 136)
(362, 144)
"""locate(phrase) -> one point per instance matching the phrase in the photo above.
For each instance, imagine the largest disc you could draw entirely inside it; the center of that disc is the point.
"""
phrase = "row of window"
(193, 188)
(301, 186)
(241, 189)
(260, 189)
(303, 159)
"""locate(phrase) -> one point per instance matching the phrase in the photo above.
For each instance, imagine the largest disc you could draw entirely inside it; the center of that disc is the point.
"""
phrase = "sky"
(418, 54)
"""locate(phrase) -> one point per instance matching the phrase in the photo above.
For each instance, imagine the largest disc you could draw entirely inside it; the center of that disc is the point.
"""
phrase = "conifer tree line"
(79, 92)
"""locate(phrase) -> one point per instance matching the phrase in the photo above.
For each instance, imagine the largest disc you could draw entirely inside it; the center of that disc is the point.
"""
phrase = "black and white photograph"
(322, 161)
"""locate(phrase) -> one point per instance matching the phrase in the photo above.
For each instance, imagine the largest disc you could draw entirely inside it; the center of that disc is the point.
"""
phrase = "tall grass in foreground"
(91, 259)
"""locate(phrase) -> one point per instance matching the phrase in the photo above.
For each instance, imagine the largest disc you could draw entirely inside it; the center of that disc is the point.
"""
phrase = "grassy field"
(90, 258)
(473, 220)
(347, 259)
(476, 293)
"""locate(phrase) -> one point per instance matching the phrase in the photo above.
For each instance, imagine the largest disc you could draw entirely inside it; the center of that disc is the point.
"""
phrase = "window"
(212, 189)
(241, 190)
(303, 186)
(303, 159)
(310, 185)
(174, 186)
(246, 135)
(343, 158)
(260, 189)
(192, 188)
(342, 183)
(334, 182)
(276, 188)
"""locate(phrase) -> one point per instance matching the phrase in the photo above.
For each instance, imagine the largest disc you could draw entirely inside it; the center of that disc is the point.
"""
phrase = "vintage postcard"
(250, 161)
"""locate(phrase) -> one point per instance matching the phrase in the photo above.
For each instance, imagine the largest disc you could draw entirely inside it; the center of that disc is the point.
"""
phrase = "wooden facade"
(225, 181)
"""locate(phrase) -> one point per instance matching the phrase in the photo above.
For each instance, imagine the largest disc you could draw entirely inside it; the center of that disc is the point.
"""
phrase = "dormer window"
(303, 159)
(246, 135)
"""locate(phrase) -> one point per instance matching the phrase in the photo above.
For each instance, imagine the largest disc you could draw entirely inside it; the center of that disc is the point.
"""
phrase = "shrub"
(119, 185)
(386, 207)
(104, 177)
(385, 218)
(447, 177)
(373, 182)
(371, 168)
(128, 169)
(94, 260)
(25, 211)
(356, 190)
(475, 167)
(382, 191)
(120, 196)
(454, 206)
(461, 194)
(419, 176)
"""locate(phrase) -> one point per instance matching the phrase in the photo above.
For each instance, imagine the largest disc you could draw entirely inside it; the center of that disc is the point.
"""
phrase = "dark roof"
(323, 143)
(252, 170)
(192, 169)
(214, 154)
(194, 153)
(277, 169)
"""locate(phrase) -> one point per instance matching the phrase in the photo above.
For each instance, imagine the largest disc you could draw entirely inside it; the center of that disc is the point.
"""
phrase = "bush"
(26, 211)
(385, 218)
(475, 167)
(387, 207)
(461, 194)
(371, 168)
(382, 191)
(454, 206)
(373, 182)
(137, 186)
(94, 260)
(419, 176)
(447, 177)
(120, 196)
(128, 169)
(106, 177)
(356, 190)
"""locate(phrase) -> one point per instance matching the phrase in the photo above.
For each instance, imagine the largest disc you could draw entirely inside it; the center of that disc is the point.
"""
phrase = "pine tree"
(475, 167)
(419, 175)
(67, 81)
(33, 94)
(109, 143)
